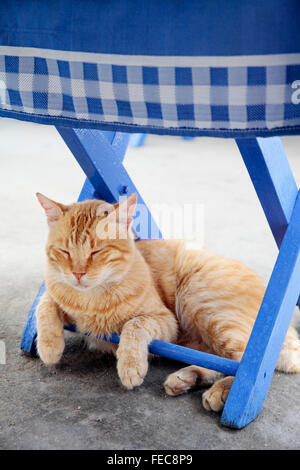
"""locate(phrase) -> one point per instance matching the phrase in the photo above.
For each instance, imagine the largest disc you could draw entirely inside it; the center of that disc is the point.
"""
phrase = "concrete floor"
(80, 403)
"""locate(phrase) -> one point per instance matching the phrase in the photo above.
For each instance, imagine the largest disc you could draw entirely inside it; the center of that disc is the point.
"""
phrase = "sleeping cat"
(99, 278)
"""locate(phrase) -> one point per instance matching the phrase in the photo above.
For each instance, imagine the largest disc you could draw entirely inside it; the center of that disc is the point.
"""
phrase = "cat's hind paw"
(180, 381)
(214, 398)
(289, 359)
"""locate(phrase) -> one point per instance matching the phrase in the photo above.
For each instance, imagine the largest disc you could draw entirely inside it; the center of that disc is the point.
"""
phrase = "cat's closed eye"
(95, 252)
(66, 252)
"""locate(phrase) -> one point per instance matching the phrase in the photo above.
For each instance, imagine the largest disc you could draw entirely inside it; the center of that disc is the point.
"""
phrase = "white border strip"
(155, 61)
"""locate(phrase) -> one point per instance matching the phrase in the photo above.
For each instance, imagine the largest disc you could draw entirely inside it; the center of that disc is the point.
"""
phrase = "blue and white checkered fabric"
(163, 97)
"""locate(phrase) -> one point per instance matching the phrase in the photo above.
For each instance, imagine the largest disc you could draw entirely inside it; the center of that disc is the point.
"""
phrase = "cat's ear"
(53, 210)
(126, 210)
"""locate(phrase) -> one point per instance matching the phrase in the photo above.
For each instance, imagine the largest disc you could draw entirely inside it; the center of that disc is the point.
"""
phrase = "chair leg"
(256, 369)
(273, 180)
(277, 191)
(28, 340)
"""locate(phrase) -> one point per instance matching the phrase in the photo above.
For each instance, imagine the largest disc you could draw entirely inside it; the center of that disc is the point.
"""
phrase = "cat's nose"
(78, 275)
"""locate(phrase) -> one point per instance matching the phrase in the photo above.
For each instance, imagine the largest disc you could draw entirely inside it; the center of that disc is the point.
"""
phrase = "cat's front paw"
(50, 349)
(132, 370)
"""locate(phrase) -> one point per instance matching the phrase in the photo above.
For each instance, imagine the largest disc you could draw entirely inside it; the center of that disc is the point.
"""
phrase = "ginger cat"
(143, 291)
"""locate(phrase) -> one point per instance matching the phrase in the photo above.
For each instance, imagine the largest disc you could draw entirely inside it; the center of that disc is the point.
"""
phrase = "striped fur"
(143, 291)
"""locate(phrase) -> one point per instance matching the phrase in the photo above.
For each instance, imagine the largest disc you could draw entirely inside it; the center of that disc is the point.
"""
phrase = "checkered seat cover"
(214, 68)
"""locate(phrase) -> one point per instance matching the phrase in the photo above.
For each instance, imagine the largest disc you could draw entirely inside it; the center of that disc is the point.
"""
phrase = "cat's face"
(89, 243)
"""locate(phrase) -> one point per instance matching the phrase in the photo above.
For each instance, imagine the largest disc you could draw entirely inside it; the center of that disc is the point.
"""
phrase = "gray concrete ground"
(80, 404)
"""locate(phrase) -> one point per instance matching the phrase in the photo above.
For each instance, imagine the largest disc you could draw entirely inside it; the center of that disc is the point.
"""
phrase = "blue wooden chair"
(96, 87)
